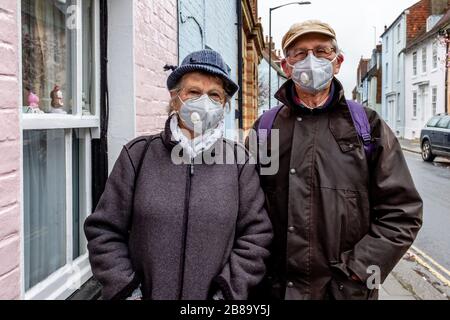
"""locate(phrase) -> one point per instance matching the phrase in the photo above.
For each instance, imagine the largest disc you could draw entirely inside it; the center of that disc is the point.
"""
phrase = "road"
(433, 183)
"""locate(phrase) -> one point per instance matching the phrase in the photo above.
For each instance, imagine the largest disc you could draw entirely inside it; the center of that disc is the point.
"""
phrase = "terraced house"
(78, 80)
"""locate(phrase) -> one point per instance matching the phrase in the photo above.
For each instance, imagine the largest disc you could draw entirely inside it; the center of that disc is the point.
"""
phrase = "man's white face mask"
(313, 74)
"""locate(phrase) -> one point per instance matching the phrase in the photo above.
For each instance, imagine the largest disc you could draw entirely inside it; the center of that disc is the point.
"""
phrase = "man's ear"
(339, 61)
(287, 70)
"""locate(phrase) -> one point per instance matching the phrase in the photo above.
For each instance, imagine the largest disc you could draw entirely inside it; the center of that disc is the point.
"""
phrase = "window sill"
(55, 121)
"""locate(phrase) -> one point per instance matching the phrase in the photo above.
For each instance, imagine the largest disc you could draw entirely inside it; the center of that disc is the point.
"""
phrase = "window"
(424, 60)
(60, 62)
(387, 44)
(434, 101)
(415, 64)
(399, 64)
(433, 122)
(443, 123)
(387, 74)
(399, 33)
(415, 104)
(435, 55)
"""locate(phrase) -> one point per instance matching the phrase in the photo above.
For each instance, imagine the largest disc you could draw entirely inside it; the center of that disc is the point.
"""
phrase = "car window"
(433, 122)
(444, 123)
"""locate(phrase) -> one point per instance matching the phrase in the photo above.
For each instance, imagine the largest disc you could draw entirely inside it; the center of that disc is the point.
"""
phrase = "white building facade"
(424, 82)
(393, 84)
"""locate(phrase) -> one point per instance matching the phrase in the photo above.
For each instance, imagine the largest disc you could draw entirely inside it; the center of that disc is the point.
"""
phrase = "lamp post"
(270, 43)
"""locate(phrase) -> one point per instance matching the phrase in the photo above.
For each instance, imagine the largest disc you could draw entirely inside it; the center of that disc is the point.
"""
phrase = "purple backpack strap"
(266, 123)
(362, 125)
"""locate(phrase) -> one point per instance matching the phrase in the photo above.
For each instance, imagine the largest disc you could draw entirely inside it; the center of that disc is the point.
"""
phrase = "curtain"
(44, 204)
(47, 51)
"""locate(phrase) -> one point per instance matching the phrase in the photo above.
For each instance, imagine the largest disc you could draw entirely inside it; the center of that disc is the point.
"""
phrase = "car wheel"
(427, 155)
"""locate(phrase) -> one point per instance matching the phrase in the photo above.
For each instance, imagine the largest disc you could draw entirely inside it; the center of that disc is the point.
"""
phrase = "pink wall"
(9, 152)
(155, 45)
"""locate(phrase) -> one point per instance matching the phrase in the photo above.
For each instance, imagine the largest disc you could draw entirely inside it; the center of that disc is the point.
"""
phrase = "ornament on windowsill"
(33, 104)
(57, 101)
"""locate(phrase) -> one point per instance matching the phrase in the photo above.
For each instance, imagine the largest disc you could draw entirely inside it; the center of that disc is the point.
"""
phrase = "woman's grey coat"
(189, 232)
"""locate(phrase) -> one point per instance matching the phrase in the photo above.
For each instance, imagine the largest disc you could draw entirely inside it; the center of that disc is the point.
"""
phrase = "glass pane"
(79, 192)
(48, 56)
(88, 57)
(444, 123)
(44, 185)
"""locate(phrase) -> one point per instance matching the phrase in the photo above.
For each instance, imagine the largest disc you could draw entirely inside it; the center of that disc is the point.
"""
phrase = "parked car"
(435, 138)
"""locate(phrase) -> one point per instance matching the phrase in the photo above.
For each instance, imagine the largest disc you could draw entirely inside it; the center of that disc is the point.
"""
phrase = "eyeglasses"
(196, 93)
(319, 52)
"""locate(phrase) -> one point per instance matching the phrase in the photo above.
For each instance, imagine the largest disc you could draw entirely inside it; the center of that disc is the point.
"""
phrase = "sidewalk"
(411, 145)
(392, 289)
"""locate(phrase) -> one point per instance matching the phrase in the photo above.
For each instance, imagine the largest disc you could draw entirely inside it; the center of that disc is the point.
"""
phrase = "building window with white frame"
(399, 32)
(414, 104)
(414, 57)
(60, 49)
(424, 59)
(434, 101)
(387, 74)
(387, 44)
(435, 55)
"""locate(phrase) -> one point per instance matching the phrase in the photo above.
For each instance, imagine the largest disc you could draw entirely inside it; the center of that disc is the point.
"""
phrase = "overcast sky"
(353, 20)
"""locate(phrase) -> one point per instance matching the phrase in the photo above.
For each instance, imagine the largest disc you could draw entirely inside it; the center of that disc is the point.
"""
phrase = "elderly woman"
(169, 231)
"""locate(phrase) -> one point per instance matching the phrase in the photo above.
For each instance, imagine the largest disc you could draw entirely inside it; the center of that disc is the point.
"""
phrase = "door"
(442, 134)
(447, 139)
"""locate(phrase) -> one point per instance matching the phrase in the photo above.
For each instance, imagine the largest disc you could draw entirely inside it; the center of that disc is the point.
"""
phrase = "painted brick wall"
(211, 24)
(155, 46)
(9, 152)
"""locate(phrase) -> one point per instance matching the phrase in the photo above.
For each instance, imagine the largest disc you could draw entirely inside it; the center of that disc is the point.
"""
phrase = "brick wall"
(155, 46)
(417, 19)
(9, 153)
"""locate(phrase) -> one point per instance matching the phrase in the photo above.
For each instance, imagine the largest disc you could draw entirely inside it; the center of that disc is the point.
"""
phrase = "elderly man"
(343, 204)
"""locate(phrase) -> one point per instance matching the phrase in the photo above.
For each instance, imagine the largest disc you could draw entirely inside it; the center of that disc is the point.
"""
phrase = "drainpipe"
(100, 146)
(240, 112)
(446, 71)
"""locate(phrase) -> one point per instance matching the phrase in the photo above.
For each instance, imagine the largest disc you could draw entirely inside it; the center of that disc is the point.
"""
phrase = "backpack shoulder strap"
(266, 123)
(362, 125)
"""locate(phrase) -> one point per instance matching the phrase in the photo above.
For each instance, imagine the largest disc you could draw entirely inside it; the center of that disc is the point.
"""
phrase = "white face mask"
(201, 114)
(313, 74)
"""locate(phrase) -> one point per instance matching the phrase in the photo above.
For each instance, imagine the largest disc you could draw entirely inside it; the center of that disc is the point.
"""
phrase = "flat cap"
(310, 26)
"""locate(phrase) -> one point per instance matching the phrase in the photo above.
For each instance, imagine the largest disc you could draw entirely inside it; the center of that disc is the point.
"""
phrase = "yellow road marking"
(437, 265)
(437, 274)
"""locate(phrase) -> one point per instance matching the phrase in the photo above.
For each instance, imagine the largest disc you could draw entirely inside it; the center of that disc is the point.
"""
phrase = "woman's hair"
(179, 86)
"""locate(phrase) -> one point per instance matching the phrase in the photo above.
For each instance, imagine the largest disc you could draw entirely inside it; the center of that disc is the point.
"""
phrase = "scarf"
(199, 144)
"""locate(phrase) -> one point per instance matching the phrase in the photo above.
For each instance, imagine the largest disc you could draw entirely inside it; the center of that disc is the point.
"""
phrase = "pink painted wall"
(155, 45)
(9, 152)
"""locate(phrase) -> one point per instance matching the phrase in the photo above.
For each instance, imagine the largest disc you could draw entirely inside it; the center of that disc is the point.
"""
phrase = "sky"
(358, 25)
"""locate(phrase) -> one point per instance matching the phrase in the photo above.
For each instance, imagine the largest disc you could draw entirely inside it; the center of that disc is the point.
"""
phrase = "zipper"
(187, 196)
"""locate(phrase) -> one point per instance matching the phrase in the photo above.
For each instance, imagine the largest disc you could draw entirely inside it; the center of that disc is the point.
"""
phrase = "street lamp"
(270, 43)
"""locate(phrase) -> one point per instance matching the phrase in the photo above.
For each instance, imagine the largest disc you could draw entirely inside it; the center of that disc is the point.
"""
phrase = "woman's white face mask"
(201, 114)
(313, 74)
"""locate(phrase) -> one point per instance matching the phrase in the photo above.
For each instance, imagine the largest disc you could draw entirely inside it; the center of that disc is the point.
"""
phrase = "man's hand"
(354, 277)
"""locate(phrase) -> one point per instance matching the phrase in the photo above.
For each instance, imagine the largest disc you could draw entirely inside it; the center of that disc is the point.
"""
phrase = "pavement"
(411, 145)
(417, 276)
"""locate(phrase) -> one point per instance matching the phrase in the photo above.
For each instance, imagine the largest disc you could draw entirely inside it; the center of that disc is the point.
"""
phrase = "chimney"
(439, 7)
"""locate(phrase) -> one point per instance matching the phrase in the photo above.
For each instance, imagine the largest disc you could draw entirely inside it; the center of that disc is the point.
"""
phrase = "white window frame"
(424, 60)
(434, 95)
(69, 278)
(414, 104)
(399, 28)
(435, 56)
(414, 58)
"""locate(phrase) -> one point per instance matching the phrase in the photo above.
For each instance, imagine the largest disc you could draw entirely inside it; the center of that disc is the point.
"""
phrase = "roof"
(427, 35)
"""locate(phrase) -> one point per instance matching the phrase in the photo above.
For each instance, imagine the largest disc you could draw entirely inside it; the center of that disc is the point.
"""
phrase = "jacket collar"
(341, 123)
(166, 136)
